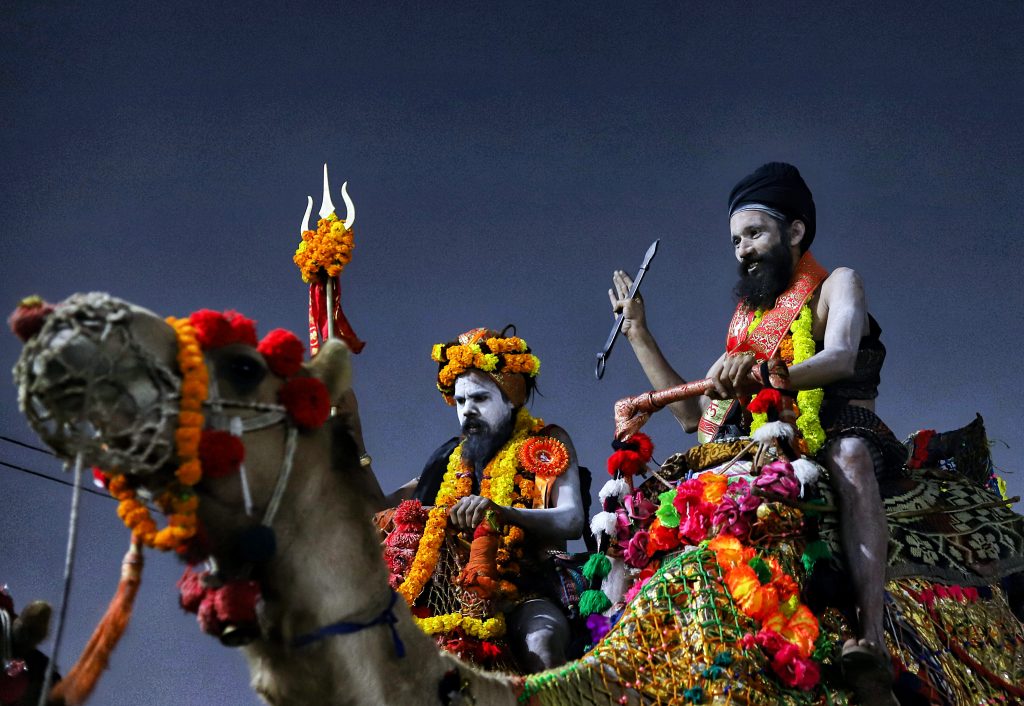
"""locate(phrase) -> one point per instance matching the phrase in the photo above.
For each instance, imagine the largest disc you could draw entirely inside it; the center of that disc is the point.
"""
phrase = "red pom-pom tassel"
(307, 400)
(283, 352)
(220, 452)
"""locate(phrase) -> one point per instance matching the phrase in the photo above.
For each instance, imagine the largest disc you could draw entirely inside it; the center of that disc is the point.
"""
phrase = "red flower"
(770, 641)
(283, 352)
(793, 670)
(307, 400)
(661, 537)
(636, 551)
(220, 452)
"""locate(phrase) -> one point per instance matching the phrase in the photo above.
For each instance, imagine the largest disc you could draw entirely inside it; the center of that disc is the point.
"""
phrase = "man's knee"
(542, 632)
(850, 459)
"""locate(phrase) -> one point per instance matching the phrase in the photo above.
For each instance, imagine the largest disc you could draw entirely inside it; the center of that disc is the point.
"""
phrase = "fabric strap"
(343, 627)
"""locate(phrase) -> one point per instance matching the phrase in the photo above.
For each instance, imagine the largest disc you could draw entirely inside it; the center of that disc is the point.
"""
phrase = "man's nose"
(470, 410)
(744, 249)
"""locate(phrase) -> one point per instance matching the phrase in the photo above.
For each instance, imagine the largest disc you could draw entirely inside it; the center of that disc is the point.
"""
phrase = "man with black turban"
(788, 302)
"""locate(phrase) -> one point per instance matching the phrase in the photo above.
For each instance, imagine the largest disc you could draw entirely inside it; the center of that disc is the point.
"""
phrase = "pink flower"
(622, 525)
(636, 551)
(639, 507)
(770, 641)
(793, 670)
(635, 589)
(730, 518)
(779, 478)
(694, 529)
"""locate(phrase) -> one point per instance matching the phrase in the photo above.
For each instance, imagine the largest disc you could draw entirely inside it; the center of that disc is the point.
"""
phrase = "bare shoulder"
(558, 433)
(842, 283)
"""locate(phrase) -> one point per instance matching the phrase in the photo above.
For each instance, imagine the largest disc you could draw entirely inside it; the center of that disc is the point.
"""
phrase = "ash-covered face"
(485, 416)
(762, 247)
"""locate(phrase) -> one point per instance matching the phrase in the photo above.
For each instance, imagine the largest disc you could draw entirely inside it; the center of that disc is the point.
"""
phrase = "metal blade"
(602, 357)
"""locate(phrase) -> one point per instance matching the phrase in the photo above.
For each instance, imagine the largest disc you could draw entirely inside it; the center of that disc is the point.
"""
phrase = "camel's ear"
(32, 625)
(333, 367)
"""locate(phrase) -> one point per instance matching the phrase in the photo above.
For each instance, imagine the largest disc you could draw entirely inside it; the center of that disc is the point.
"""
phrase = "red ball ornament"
(307, 400)
(283, 352)
(220, 452)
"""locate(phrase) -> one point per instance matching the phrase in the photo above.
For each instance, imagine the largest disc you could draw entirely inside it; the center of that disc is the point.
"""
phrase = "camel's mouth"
(89, 389)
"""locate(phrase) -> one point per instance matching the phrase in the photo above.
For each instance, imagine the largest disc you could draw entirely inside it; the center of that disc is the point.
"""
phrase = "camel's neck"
(329, 568)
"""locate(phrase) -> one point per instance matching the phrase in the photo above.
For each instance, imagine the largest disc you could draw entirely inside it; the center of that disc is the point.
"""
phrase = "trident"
(332, 294)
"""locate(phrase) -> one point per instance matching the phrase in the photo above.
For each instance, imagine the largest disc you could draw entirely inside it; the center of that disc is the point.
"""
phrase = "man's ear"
(333, 367)
(797, 230)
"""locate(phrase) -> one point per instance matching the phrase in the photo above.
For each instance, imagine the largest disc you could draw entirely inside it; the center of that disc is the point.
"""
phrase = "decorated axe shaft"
(631, 413)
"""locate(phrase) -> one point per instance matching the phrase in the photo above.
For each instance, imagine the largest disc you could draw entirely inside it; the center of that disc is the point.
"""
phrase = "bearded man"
(772, 224)
(508, 474)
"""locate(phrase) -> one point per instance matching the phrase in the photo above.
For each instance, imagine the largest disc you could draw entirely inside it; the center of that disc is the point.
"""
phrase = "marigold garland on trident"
(329, 248)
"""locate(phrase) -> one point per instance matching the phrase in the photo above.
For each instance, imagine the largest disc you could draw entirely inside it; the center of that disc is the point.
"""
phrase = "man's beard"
(483, 442)
(760, 289)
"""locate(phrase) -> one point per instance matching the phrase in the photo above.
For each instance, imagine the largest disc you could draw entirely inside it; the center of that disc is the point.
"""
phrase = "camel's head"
(156, 402)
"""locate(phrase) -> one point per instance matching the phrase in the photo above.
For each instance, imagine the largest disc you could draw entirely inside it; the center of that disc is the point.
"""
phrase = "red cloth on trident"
(318, 317)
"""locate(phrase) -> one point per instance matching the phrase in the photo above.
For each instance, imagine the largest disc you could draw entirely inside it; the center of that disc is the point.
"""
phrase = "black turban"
(779, 186)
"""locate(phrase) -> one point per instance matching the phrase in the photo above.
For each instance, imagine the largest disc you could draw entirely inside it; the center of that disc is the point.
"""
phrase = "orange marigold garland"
(179, 502)
(491, 355)
(502, 484)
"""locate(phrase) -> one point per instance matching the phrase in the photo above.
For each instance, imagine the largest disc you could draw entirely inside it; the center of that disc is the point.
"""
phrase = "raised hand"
(634, 317)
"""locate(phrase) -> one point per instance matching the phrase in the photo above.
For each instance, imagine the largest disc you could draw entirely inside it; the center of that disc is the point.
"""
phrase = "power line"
(9, 440)
(45, 476)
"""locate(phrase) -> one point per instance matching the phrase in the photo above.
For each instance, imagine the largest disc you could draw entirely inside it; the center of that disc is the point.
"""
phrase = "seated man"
(781, 287)
(508, 474)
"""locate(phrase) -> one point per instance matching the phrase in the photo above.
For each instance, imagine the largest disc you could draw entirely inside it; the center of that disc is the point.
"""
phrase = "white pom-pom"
(770, 431)
(603, 523)
(807, 472)
(615, 488)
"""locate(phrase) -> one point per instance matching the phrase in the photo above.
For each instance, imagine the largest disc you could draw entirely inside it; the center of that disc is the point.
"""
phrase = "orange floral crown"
(507, 359)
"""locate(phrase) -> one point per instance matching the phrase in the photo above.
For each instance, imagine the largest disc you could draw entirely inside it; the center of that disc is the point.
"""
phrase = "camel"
(20, 633)
(100, 382)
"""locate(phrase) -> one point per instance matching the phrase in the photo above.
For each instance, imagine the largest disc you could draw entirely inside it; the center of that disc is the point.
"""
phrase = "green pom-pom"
(815, 550)
(764, 574)
(597, 566)
(593, 601)
(723, 659)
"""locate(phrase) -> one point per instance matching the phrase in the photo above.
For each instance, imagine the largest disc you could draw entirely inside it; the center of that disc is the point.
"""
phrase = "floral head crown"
(507, 359)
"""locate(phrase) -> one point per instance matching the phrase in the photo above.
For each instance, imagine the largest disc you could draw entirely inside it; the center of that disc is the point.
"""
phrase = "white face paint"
(478, 398)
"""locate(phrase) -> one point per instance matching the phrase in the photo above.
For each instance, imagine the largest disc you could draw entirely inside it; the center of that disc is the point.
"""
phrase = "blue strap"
(386, 617)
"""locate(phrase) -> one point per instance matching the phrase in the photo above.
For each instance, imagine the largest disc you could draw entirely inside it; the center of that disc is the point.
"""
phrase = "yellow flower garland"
(507, 354)
(499, 485)
(179, 502)
(807, 401)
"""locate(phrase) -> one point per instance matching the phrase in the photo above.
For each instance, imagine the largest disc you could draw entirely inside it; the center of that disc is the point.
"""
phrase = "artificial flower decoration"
(307, 400)
(544, 456)
(491, 355)
(283, 352)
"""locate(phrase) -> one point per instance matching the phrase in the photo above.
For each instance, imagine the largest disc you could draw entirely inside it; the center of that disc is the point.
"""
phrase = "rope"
(282, 480)
(69, 565)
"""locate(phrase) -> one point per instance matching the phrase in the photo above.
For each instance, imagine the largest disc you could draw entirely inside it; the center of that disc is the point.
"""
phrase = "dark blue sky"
(504, 159)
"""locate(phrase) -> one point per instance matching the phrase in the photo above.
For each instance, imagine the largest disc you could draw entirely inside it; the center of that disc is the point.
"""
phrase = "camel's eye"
(244, 371)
